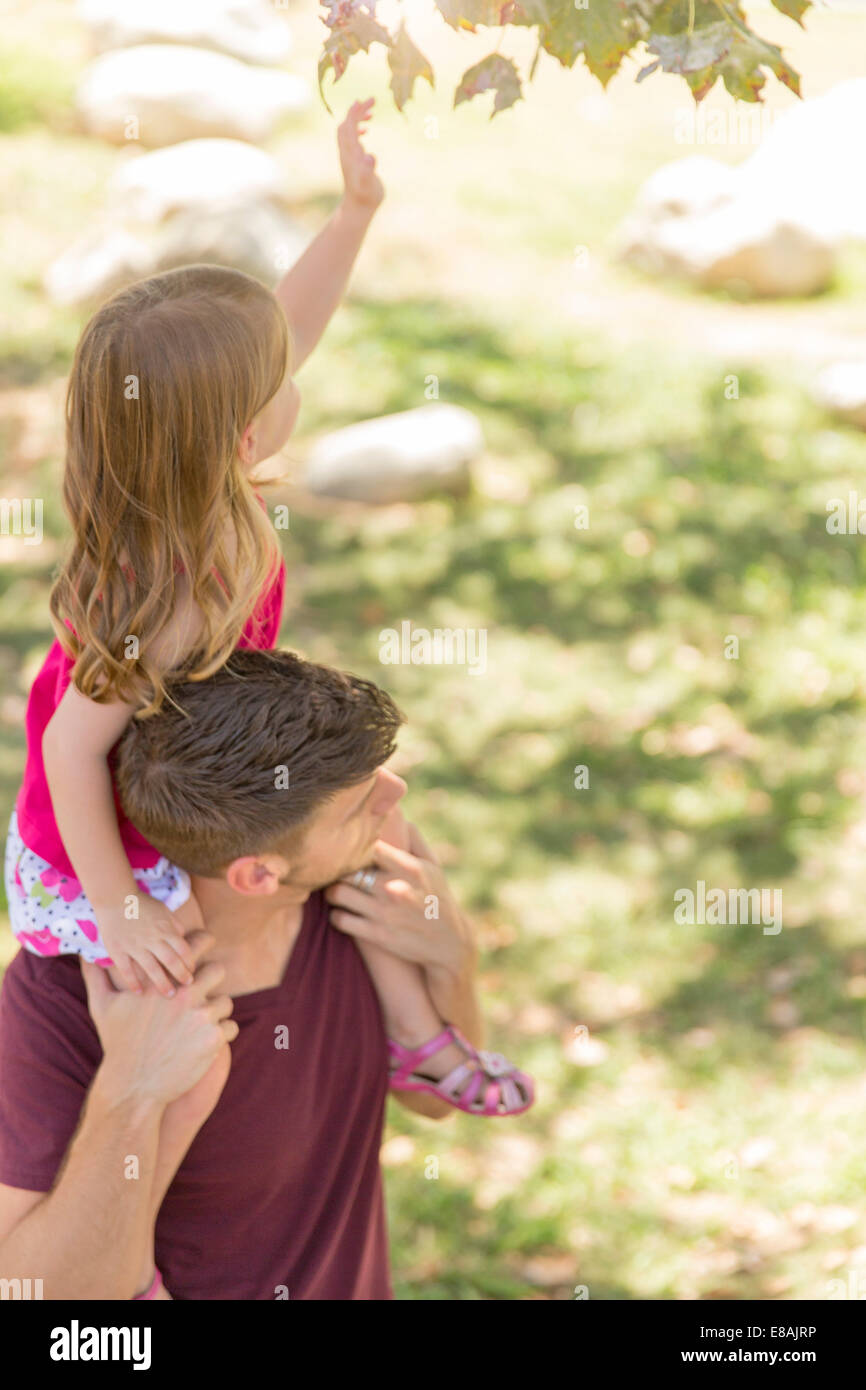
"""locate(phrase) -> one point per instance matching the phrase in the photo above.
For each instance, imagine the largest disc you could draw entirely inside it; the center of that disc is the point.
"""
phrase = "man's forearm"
(89, 1238)
(180, 1123)
(312, 290)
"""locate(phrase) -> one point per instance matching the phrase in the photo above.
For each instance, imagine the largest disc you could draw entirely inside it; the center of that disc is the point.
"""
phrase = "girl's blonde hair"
(166, 377)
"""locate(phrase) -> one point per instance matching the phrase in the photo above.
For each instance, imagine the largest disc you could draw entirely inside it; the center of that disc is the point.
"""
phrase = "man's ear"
(256, 877)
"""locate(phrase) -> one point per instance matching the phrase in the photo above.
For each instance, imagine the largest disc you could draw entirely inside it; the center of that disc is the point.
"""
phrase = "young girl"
(179, 388)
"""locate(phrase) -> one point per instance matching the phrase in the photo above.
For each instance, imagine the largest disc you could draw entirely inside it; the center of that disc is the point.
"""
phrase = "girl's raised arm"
(312, 289)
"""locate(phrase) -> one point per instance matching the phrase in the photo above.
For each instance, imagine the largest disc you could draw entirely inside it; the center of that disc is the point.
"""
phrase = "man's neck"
(253, 937)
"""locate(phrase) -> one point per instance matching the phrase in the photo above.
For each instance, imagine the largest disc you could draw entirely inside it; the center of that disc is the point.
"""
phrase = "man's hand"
(157, 1049)
(409, 911)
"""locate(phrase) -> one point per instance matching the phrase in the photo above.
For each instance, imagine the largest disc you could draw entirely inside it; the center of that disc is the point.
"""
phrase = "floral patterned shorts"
(51, 916)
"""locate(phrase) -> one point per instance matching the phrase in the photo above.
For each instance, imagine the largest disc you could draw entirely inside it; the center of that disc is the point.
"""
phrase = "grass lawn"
(698, 1131)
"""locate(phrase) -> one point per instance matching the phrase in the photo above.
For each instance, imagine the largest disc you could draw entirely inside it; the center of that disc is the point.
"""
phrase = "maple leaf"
(683, 53)
(726, 49)
(602, 33)
(467, 14)
(794, 9)
(669, 18)
(688, 39)
(407, 64)
(530, 12)
(493, 73)
(353, 27)
(742, 70)
(353, 16)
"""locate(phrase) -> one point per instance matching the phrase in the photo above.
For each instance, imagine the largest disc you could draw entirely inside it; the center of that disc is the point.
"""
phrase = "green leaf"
(602, 33)
(720, 43)
(701, 82)
(407, 64)
(742, 70)
(466, 14)
(704, 48)
(353, 27)
(355, 19)
(794, 9)
(493, 73)
(672, 16)
(726, 49)
(523, 12)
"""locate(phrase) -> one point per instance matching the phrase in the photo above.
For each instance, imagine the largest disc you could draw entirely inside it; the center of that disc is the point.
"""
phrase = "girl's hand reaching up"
(363, 185)
(150, 946)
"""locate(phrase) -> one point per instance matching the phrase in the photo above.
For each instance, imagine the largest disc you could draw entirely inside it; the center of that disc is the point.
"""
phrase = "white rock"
(196, 175)
(686, 187)
(747, 246)
(245, 29)
(259, 239)
(166, 93)
(94, 267)
(772, 223)
(811, 162)
(399, 457)
(841, 389)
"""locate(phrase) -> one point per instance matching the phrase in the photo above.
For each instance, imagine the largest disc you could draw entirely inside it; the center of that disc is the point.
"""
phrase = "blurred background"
(670, 401)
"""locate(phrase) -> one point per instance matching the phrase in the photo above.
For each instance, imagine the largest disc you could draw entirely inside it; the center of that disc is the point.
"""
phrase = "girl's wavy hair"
(166, 377)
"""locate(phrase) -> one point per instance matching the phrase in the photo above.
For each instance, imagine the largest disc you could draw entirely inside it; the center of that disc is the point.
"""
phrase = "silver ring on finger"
(367, 881)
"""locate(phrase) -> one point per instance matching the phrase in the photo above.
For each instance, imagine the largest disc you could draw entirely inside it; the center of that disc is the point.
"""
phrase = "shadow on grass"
(704, 521)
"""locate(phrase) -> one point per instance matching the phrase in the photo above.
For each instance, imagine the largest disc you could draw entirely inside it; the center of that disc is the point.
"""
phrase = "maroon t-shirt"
(281, 1186)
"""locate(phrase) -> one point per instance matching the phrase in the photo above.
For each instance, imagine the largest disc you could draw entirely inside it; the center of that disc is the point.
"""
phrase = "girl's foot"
(481, 1083)
(438, 1062)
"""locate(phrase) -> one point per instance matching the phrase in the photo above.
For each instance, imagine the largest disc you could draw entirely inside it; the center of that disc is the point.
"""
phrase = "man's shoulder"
(44, 984)
(334, 949)
(49, 1052)
(316, 906)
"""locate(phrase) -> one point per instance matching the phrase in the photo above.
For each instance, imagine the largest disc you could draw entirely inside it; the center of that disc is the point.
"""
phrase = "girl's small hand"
(150, 946)
(363, 185)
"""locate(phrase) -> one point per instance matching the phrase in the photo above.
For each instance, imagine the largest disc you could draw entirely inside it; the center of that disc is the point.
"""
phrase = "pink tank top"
(36, 824)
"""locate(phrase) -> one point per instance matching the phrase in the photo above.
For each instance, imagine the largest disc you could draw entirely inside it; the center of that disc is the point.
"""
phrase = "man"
(133, 1139)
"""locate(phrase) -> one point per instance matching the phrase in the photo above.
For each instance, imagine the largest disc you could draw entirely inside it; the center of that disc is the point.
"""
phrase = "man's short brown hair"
(249, 756)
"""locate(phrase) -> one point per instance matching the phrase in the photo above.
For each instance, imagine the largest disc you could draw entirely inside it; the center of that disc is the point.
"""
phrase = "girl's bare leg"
(409, 1013)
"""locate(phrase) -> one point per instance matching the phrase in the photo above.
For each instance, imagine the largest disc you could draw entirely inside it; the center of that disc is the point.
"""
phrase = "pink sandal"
(506, 1091)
